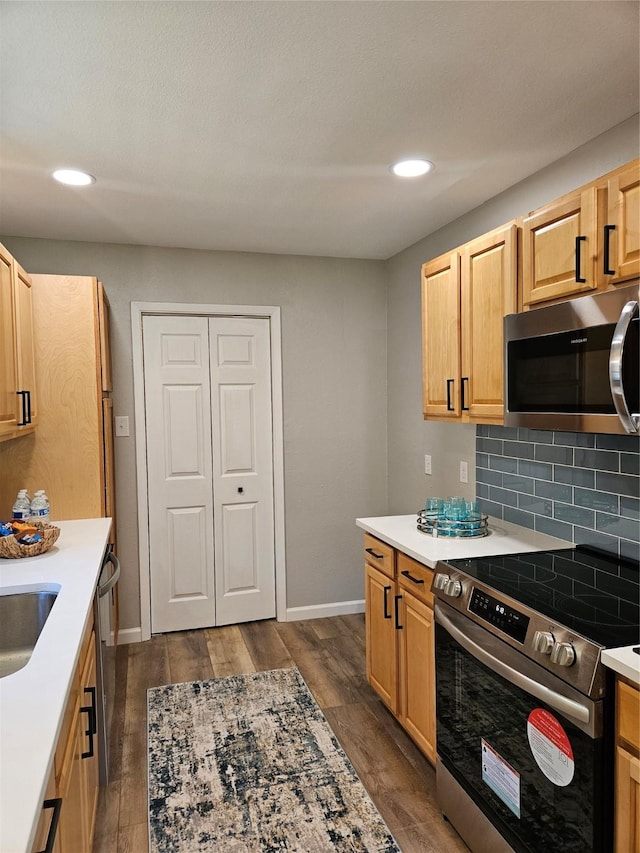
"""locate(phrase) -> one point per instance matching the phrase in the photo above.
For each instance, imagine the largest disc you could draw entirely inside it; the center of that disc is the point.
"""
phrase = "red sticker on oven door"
(550, 747)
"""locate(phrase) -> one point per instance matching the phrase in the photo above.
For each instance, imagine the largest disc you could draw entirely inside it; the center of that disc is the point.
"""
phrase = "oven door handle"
(104, 588)
(630, 421)
(571, 709)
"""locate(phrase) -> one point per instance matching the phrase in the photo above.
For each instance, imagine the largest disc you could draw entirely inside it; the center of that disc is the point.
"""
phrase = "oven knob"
(563, 654)
(453, 588)
(440, 581)
(543, 642)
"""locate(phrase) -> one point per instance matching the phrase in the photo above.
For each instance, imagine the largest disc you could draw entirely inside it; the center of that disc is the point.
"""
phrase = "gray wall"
(410, 437)
(333, 315)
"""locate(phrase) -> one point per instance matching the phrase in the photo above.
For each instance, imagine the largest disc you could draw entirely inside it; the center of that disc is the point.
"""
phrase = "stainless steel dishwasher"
(106, 642)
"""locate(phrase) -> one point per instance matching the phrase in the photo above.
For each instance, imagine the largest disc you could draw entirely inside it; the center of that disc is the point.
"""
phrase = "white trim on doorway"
(270, 312)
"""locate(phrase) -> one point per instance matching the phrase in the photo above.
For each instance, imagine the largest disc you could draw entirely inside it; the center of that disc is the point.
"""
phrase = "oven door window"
(537, 777)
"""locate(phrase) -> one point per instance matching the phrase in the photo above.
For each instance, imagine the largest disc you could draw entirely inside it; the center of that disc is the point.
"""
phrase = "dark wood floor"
(330, 655)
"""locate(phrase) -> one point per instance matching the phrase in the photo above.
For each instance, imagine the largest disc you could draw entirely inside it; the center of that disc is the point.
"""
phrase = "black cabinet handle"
(411, 577)
(28, 393)
(56, 805)
(373, 554)
(23, 421)
(607, 238)
(450, 408)
(463, 407)
(93, 720)
(387, 615)
(396, 603)
(579, 240)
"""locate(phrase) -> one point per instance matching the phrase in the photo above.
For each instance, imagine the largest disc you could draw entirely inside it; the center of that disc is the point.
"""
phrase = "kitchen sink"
(22, 618)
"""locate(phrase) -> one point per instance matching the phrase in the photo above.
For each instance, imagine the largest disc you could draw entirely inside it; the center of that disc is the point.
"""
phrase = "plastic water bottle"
(22, 506)
(40, 509)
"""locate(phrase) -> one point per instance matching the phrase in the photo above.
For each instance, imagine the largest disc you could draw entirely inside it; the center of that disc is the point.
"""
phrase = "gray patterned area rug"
(249, 763)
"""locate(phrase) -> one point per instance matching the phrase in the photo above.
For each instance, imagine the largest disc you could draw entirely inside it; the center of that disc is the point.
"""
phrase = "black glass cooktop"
(588, 591)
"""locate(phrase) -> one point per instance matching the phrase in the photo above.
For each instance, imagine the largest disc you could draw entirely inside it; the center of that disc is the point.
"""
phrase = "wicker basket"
(11, 549)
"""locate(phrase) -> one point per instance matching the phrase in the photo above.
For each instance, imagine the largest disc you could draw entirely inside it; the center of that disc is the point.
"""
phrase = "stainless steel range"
(524, 705)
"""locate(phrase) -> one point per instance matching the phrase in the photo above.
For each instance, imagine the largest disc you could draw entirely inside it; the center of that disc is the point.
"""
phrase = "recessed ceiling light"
(73, 177)
(411, 168)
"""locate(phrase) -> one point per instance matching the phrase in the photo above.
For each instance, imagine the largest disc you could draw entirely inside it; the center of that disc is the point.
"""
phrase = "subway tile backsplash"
(581, 487)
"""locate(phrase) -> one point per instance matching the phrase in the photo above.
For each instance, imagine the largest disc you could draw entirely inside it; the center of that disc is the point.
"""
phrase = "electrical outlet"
(427, 463)
(464, 472)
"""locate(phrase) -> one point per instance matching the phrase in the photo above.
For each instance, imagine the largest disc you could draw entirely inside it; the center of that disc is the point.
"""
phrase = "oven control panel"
(497, 613)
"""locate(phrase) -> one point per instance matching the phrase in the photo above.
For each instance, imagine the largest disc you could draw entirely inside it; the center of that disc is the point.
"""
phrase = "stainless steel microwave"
(574, 365)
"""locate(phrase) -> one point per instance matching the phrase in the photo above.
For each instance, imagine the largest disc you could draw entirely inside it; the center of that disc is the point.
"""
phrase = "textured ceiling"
(270, 126)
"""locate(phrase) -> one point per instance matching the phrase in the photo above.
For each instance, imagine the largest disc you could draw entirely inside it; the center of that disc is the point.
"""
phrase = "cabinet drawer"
(628, 713)
(380, 555)
(415, 578)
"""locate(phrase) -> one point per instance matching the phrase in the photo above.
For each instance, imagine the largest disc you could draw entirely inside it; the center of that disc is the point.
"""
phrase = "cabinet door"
(381, 641)
(621, 234)
(488, 292)
(8, 398)
(441, 337)
(627, 828)
(26, 362)
(559, 246)
(105, 333)
(71, 832)
(417, 674)
(89, 743)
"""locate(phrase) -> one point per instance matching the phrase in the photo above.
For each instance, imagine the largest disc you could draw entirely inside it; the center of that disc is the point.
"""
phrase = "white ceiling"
(270, 126)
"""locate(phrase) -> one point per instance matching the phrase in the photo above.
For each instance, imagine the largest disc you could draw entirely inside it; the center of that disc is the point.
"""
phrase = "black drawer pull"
(387, 615)
(450, 408)
(373, 554)
(93, 720)
(607, 239)
(579, 241)
(56, 805)
(411, 577)
(397, 600)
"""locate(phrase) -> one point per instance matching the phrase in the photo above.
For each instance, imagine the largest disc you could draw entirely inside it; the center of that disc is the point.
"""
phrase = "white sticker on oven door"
(500, 776)
(550, 747)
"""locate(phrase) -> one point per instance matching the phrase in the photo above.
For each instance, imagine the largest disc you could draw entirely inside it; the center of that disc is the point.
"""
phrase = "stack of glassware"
(453, 516)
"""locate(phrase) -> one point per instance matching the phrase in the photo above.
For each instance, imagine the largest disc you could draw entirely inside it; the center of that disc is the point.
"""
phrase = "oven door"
(526, 748)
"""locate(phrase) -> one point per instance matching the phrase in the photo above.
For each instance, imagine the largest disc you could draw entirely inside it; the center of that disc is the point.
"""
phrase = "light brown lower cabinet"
(627, 788)
(400, 639)
(68, 817)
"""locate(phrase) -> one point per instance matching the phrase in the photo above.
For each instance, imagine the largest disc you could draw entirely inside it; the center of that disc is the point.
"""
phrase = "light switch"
(122, 425)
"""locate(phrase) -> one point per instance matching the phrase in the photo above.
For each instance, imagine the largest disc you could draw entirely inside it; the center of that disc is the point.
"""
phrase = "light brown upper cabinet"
(621, 232)
(18, 401)
(465, 295)
(586, 241)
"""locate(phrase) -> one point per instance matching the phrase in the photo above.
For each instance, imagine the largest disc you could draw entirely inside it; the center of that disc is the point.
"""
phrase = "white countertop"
(33, 699)
(624, 661)
(504, 538)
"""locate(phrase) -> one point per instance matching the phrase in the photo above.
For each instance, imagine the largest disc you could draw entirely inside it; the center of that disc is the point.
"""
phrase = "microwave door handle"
(631, 422)
(561, 704)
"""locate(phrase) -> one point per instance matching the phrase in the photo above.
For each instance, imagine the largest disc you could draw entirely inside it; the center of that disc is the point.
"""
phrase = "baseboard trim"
(129, 635)
(321, 611)
(294, 614)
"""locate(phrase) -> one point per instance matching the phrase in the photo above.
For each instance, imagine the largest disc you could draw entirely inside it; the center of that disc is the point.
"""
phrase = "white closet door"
(178, 417)
(210, 470)
(240, 356)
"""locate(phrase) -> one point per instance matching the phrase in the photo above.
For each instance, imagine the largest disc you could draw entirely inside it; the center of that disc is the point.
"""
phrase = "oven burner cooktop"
(593, 593)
